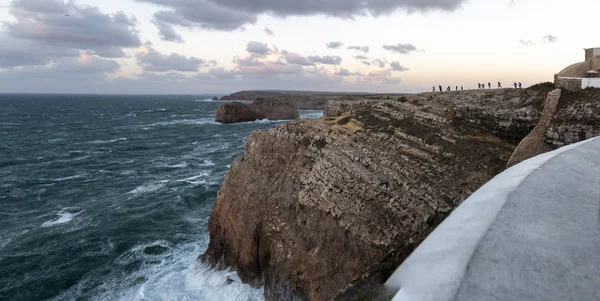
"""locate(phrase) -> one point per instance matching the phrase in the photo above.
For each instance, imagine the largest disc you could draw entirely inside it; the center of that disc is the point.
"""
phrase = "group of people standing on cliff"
(447, 89)
(480, 86)
(515, 85)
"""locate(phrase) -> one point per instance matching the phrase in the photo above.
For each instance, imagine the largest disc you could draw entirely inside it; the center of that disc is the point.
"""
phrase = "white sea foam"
(311, 114)
(208, 163)
(202, 178)
(200, 121)
(148, 188)
(106, 141)
(69, 178)
(63, 218)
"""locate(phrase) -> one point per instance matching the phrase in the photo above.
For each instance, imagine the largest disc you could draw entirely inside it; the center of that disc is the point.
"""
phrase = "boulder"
(215, 98)
(236, 112)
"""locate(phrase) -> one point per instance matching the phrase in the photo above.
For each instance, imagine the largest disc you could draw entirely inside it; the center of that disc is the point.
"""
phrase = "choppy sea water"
(108, 197)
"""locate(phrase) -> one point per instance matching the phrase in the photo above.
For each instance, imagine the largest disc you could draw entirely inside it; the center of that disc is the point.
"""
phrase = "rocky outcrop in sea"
(261, 108)
(326, 209)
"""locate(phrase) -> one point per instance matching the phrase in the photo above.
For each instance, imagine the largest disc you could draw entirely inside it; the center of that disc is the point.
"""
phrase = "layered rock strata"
(324, 209)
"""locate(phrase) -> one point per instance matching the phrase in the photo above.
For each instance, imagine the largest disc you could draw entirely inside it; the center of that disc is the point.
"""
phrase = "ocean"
(108, 197)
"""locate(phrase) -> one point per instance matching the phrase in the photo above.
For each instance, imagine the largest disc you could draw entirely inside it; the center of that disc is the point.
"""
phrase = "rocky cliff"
(317, 205)
(261, 108)
(305, 100)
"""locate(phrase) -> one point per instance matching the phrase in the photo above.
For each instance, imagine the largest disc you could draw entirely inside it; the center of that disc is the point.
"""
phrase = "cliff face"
(315, 205)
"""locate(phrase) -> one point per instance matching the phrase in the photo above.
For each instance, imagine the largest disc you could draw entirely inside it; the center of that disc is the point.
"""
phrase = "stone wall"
(589, 54)
(572, 84)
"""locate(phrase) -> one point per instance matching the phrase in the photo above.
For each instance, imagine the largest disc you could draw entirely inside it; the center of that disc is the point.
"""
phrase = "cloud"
(401, 48)
(19, 52)
(296, 59)
(384, 77)
(258, 48)
(364, 49)
(334, 45)
(544, 40)
(346, 72)
(55, 23)
(222, 73)
(380, 63)
(361, 57)
(395, 66)
(326, 60)
(268, 31)
(549, 38)
(167, 32)
(251, 60)
(153, 61)
(229, 15)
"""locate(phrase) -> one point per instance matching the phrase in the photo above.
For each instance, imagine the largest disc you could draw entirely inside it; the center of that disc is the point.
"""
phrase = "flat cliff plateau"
(326, 209)
(305, 100)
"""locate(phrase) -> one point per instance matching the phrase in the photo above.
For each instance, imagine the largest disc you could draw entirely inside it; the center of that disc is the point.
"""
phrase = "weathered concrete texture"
(544, 244)
(535, 143)
(531, 233)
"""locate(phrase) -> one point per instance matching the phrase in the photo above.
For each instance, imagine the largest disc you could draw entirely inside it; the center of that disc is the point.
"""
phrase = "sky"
(223, 46)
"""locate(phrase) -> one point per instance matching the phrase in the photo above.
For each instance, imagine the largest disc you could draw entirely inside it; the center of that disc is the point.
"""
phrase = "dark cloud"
(85, 28)
(326, 60)
(364, 49)
(202, 14)
(64, 73)
(296, 59)
(230, 15)
(258, 48)
(167, 32)
(395, 66)
(361, 57)
(268, 31)
(334, 45)
(19, 52)
(401, 48)
(153, 61)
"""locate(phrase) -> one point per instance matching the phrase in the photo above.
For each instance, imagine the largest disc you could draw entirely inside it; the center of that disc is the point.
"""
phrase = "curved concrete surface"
(532, 233)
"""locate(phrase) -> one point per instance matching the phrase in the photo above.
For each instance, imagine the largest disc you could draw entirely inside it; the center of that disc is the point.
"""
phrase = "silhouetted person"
(489, 85)
(461, 88)
(441, 88)
(448, 89)
(433, 89)
(499, 85)
(478, 86)
(520, 85)
(515, 85)
(456, 88)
